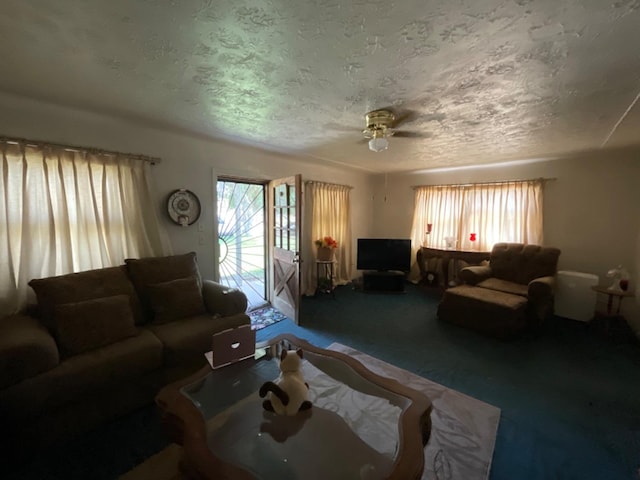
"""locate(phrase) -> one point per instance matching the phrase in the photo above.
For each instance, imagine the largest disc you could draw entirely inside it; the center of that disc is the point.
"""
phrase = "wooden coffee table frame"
(186, 425)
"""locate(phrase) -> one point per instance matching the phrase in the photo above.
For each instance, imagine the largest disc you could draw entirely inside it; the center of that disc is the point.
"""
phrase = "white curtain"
(327, 213)
(495, 212)
(65, 211)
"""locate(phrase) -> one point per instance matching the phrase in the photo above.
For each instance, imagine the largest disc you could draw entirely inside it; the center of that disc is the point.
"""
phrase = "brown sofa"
(101, 343)
(513, 292)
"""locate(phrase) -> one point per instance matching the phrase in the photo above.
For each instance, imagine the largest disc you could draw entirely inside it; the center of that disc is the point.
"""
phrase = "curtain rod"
(309, 182)
(540, 179)
(99, 151)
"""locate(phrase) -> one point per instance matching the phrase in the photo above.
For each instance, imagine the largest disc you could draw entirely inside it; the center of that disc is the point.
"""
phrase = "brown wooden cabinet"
(391, 281)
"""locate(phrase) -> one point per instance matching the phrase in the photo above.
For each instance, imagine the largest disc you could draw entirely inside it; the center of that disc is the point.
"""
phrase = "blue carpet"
(569, 395)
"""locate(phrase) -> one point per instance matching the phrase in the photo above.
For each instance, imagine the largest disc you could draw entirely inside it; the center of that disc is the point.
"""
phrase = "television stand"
(386, 281)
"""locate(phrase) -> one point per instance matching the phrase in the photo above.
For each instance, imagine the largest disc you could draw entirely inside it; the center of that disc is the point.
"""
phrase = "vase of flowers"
(326, 246)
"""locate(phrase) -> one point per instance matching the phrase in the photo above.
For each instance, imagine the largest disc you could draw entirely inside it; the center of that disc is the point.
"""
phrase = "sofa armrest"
(474, 274)
(222, 300)
(26, 349)
(540, 294)
(541, 288)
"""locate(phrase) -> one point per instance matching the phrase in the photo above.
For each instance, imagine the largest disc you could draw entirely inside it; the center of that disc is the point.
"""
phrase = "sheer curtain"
(495, 212)
(65, 211)
(327, 212)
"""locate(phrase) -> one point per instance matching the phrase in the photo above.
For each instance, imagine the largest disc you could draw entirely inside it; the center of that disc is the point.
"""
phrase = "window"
(494, 212)
(68, 210)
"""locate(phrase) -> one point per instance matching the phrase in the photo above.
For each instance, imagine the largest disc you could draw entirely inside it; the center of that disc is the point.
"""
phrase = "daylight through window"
(492, 212)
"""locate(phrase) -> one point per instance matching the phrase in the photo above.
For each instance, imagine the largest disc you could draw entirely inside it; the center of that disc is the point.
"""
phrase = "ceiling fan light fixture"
(378, 144)
(378, 128)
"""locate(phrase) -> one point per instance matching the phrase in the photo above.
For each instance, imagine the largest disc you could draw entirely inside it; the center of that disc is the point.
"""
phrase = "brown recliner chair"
(520, 269)
(512, 293)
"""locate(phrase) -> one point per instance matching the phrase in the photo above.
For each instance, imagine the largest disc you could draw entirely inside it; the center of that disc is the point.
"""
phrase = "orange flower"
(327, 241)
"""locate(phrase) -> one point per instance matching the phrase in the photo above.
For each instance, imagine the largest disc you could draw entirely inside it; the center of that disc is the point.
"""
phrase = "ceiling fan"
(381, 124)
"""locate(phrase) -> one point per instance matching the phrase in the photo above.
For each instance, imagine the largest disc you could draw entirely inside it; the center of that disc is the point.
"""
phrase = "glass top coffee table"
(361, 425)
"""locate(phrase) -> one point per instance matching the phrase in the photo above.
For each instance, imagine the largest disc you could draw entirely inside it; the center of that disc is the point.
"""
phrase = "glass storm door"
(241, 238)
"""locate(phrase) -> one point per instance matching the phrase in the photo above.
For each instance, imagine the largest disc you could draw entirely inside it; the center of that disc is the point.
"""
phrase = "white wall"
(591, 209)
(187, 162)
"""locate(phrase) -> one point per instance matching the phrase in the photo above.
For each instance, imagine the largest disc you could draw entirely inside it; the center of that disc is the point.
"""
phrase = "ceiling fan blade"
(405, 116)
(402, 114)
(339, 127)
(407, 134)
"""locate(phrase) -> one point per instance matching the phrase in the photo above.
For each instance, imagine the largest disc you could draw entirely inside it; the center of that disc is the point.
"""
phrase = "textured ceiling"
(487, 80)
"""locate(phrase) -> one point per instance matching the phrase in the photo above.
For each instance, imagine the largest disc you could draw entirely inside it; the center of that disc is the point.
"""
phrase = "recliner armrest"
(474, 274)
(222, 300)
(541, 288)
(26, 349)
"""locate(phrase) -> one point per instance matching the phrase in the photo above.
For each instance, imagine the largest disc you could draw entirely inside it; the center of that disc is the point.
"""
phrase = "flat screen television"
(383, 254)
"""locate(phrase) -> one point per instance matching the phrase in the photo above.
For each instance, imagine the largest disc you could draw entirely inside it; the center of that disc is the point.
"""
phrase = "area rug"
(464, 429)
(462, 439)
(265, 316)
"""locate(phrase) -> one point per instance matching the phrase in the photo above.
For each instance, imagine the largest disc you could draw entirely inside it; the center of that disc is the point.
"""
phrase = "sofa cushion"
(186, 341)
(175, 299)
(77, 287)
(26, 349)
(103, 369)
(504, 286)
(153, 270)
(87, 325)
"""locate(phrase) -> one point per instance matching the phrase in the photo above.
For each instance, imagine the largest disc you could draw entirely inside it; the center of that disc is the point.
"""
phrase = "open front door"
(284, 244)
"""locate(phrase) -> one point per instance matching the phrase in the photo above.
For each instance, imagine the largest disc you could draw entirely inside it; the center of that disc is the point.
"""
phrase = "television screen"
(384, 254)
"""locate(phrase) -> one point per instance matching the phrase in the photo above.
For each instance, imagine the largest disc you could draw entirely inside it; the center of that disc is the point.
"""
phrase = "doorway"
(241, 238)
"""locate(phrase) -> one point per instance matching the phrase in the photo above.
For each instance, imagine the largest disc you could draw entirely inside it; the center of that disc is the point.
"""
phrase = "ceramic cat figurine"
(289, 394)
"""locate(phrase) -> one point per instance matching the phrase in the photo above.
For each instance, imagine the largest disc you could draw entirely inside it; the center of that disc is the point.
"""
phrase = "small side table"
(324, 277)
(610, 313)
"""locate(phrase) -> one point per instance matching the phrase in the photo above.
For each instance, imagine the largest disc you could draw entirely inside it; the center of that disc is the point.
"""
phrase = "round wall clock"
(183, 207)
